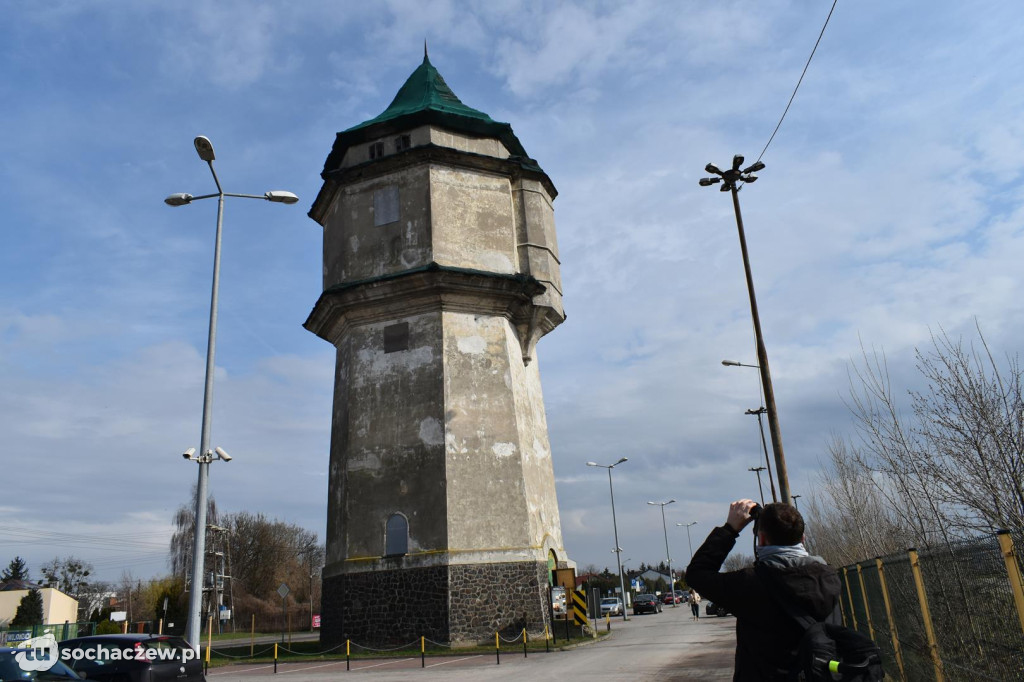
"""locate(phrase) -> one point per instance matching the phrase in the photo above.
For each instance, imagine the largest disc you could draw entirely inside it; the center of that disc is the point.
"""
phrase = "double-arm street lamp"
(758, 470)
(205, 150)
(729, 180)
(687, 526)
(615, 528)
(760, 426)
(664, 528)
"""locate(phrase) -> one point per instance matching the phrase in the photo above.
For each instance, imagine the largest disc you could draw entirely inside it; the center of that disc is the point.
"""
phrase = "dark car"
(646, 603)
(133, 658)
(715, 610)
(10, 669)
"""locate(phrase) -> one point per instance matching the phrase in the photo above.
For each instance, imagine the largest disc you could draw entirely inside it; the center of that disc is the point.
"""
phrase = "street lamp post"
(758, 470)
(615, 528)
(664, 528)
(205, 150)
(729, 179)
(794, 498)
(687, 525)
(764, 446)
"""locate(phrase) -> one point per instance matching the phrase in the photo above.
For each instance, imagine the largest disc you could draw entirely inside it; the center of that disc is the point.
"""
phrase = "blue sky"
(891, 205)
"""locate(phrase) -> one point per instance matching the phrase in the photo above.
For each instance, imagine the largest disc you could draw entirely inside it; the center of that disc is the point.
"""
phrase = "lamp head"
(621, 460)
(281, 197)
(712, 168)
(204, 148)
(593, 464)
(179, 199)
(754, 168)
(707, 182)
(737, 161)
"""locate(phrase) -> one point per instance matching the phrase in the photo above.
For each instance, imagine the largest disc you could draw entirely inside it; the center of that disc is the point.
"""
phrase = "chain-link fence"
(947, 613)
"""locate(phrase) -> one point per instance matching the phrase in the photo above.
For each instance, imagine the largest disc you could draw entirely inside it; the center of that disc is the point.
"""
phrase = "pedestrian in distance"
(767, 638)
(694, 604)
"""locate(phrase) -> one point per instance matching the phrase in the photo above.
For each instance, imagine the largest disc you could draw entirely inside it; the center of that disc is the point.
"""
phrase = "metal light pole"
(205, 150)
(729, 179)
(615, 528)
(794, 498)
(664, 528)
(760, 426)
(764, 446)
(758, 470)
(687, 525)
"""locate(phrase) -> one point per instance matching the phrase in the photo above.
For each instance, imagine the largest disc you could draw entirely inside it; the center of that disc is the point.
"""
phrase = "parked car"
(671, 598)
(11, 670)
(139, 658)
(715, 610)
(611, 606)
(646, 603)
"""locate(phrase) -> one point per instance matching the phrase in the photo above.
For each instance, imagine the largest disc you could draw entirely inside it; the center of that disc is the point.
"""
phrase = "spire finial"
(425, 58)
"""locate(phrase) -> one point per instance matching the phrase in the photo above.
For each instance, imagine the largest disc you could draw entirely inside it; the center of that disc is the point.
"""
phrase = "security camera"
(189, 454)
(223, 455)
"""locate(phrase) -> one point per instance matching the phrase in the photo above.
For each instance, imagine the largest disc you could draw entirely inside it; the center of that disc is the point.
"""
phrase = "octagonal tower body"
(441, 273)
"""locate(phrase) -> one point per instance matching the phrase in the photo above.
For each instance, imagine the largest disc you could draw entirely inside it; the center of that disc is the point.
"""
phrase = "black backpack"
(826, 652)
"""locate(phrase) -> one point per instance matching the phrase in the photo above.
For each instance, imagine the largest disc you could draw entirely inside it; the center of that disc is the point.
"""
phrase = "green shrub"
(108, 627)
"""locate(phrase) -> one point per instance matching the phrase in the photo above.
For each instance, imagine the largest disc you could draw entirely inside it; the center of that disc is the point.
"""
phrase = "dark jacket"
(766, 637)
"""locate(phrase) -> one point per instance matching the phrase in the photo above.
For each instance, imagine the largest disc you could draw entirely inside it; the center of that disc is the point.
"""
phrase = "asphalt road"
(663, 647)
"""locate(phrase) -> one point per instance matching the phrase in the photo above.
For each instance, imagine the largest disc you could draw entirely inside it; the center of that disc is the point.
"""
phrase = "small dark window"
(396, 536)
(402, 142)
(396, 337)
(385, 205)
(376, 150)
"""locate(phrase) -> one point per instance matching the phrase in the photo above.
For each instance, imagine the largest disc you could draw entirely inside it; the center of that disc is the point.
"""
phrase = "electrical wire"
(801, 80)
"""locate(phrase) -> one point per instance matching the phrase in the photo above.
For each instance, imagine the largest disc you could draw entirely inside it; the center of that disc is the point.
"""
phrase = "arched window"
(396, 535)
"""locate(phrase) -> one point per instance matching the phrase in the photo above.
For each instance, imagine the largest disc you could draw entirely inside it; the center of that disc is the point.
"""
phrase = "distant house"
(57, 606)
(650, 577)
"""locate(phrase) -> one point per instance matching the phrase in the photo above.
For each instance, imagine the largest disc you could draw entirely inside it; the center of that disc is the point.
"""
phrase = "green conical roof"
(425, 90)
(426, 99)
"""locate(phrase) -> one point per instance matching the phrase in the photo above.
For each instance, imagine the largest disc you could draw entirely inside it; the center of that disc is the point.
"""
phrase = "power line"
(801, 80)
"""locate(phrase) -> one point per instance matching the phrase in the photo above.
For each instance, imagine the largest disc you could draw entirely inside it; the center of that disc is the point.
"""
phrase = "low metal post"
(497, 649)
(348, 654)
(547, 641)
(252, 636)
(892, 623)
(926, 615)
(1013, 573)
(524, 642)
(423, 652)
(275, 658)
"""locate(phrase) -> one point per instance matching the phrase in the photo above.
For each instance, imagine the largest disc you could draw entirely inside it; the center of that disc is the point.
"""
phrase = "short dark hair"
(781, 524)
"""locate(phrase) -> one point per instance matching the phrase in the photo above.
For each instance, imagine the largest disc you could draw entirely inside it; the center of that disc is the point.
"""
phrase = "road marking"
(312, 667)
(466, 658)
(231, 670)
(377, 665)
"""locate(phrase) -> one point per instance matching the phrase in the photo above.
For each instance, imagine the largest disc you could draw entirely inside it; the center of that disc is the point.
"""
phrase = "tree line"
(928, 466)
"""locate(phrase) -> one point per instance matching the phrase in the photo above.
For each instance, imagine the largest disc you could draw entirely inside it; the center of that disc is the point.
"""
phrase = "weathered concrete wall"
(387, 449)
(471, 220)
(356, 248)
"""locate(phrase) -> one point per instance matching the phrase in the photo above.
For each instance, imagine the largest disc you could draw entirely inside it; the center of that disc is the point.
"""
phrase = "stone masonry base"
(458, 604)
